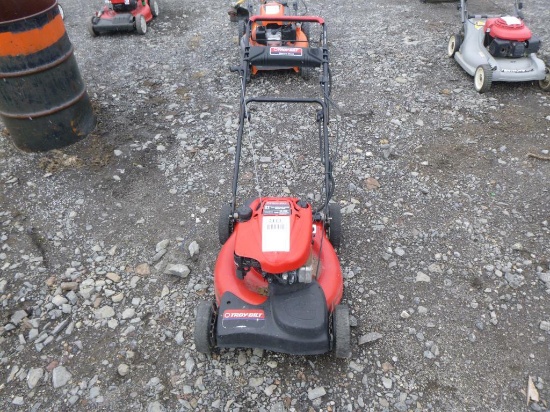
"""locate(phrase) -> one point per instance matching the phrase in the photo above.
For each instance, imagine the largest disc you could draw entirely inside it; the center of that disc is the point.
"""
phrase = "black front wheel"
(342, 332)
(91, 29)
(141, 24)
(483, 78)
(204, 328)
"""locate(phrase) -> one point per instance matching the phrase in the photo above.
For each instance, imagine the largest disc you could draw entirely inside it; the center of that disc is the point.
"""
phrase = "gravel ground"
(446, 249)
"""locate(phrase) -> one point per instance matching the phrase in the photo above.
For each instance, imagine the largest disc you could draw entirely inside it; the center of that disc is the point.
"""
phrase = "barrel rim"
(7, 22)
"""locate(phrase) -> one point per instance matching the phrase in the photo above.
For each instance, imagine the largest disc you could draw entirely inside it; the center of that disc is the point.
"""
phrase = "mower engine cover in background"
(121, 6)
(278, 235)
(507, 28)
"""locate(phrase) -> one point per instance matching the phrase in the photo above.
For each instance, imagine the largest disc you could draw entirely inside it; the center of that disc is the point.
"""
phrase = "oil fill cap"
(244, 213)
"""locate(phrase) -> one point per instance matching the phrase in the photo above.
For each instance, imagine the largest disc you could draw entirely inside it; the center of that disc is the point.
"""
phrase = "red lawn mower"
(278, 31)
(278, 281)
(123, 16)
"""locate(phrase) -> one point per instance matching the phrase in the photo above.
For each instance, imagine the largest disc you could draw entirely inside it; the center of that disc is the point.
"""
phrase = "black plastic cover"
(500, 48)
(513, 49)
(288, 33)
(285, 56)
(261, 35)
(122, 22)
(294, 319)
(533, 45)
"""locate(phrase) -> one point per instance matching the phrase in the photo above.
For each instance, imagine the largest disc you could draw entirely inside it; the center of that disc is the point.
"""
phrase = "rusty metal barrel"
(43, 99)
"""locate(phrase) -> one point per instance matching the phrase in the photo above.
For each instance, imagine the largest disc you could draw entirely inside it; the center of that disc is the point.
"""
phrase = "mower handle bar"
(298, 19)
(267, 99)
(325, 143)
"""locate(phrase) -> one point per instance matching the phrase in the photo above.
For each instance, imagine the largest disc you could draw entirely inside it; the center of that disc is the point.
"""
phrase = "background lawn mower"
(240, 10)
(278, 281)
(272, 31)
(437, 1)
(497, 48)
(124, 16)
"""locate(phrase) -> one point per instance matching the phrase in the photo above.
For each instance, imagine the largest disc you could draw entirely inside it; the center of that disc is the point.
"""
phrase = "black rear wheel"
(154, 6)
(241, 29)
(545, 83)
(225, 225)
(454, 44)
(342, 333)
(335, 225)
(306, 29)
(306, 72)
(204, 328)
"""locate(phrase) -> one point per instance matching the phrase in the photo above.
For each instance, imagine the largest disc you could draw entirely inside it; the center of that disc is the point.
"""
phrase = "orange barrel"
(43, 100)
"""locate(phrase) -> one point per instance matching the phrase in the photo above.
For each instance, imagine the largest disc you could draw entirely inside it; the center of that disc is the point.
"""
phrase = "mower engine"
(275, 35)
(301, 275)
(122, 6)
(509, 37)
(274, 238)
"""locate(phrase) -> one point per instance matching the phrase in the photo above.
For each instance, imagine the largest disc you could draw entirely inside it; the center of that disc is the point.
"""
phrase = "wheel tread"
(342, 335)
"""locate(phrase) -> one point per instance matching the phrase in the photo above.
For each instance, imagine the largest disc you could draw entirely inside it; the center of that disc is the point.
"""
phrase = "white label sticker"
(276, 234)
(271, 9)
(511, 21)
(285, 51)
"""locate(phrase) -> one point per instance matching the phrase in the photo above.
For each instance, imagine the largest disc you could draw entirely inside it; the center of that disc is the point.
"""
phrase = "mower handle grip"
(298, 19)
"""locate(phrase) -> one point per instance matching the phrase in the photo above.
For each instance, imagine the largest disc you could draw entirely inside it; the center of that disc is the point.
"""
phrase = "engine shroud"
(278, 234)
(507, 28)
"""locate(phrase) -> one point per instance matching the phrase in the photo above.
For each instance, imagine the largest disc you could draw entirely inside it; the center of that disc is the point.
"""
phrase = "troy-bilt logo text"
(285, 51)
(244, 314)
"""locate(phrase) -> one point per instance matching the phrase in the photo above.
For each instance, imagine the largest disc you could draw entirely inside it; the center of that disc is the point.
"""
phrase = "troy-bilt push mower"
(123, 16)
(274, 35)
(498, 49)
(278, 281)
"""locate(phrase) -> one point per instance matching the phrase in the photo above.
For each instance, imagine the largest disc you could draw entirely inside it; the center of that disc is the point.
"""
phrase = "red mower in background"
(273, 33)
(124, 16)
(277, 279)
